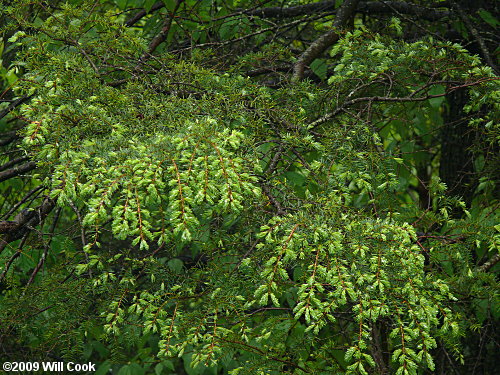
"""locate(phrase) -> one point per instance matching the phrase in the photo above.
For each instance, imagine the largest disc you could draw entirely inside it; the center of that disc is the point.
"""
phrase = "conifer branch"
(344, 14)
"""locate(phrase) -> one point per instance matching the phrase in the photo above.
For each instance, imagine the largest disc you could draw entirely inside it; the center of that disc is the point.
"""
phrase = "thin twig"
(46, 247)
(475, 33)
(13, 105)
(14, 257)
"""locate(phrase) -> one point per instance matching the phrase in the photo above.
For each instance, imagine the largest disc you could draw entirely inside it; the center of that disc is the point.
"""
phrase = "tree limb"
(25, 221)
(162, 35)
(138, 16)
(46, 247)
(279, 209)
(344, 14)
(482, 45)
(10, 137)
(490, 263)
(367, 7)
(13, 105)
(26, 197)
(14, 257)
(409, 98)
(16, 171)
(13, 162)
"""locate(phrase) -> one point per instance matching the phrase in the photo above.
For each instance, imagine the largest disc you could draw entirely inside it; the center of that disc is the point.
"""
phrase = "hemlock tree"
(292, 187)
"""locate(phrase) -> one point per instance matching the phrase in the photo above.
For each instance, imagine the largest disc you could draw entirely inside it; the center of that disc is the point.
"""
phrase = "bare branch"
(162, 35)
(372, 99)
(26, 197)
(26, 220)
(10, 137)
(46, 247)
(490, 263)
(16, 171)
(279, 209)
(14, 257)
(13, 105)
(482, 45)
(13, 162)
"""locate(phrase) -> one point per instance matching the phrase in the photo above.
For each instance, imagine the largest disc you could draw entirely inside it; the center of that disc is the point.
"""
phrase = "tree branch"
(482, 45)
(409, 98)
(344, 14)
(16, 171)
(25, 221)
(46, 247)
(162, 35)
(11, 137)
(13, 105)
(27, 196)
(13, 162)
(138, 16)
(367, 7)
(267, 191)
(490, 263)
(14, 257)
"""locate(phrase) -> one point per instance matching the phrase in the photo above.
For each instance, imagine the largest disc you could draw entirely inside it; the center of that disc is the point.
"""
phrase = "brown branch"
(490, 263)
(279, 209)
(13, 105)
(410, 98)
(46, 247)
(80, 222)
(14, 256)
(268, 69)
(26, 221)
(24, 200)
(7, 226)
(389, 7)
(418, 14)
(366, 7)
(480, 41)
(274, 161)
(13, 162)
(344, 14)
(87, 57)
(16, 171)
(264, 354)
(138, 16)
(295, 11)
(247, 36)
(11, 136)
(162, 35)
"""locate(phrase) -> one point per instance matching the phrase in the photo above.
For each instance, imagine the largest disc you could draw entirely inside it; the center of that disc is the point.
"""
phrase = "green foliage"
(173, 167)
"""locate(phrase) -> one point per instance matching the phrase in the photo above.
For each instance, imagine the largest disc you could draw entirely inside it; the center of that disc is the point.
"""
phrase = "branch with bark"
(410, 98)
(138, 16)
(24, 222)
(475, 33)
(365, 7)
(15, 103)
(16, 171)
(490, 263)
(344, 14)
(162, 35)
